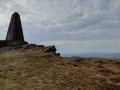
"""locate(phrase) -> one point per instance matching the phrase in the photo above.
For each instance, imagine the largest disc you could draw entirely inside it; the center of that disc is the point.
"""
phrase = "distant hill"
(95, 54)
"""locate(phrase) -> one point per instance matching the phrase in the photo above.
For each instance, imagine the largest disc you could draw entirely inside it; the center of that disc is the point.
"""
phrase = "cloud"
(59, 42)
(56, 21)
(3, 20)
(119, 42)
(70, 46)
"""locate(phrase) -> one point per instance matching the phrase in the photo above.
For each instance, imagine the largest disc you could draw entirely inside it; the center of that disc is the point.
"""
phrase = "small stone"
(75, 65)
(99, 66)
(78, 59)
(94, 61)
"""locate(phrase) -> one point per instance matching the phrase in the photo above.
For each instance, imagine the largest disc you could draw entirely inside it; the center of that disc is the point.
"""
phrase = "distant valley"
(95, 54)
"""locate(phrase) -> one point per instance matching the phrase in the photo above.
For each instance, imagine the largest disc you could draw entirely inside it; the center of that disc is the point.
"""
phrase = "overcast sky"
(73, 26)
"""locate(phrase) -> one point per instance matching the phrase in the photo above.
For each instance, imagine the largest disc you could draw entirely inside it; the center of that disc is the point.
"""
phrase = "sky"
(73, 26)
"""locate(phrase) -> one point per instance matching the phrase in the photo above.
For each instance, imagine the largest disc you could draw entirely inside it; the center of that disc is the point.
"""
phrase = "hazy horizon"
(93, 54)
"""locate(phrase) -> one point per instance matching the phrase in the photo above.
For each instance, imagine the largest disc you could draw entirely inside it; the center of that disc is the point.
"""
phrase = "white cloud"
(64, 22)
(119, 42)
(59, 42)
(3, 19)
(69, 46)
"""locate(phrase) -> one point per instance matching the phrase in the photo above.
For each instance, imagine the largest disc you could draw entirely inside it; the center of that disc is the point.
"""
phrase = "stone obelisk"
(15, 32)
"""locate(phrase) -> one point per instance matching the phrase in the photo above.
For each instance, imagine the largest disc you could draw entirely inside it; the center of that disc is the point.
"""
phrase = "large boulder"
(49, 49)
(57, 54)
(28, 46)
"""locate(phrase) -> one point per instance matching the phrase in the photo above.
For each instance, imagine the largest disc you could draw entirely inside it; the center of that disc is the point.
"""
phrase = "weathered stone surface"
(42, 46)
(15, 43)
(3, 43)
(4, 49)
(57, 54)
(78, 59)
(32, 45)
(15, 32)
(25, 47)
(94, 61)
(28, 46)
(49, 49)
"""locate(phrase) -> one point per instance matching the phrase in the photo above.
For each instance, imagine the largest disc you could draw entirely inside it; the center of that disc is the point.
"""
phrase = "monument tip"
(15, 13)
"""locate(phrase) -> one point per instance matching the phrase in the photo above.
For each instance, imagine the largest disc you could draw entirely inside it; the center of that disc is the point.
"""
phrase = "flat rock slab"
(4, 49)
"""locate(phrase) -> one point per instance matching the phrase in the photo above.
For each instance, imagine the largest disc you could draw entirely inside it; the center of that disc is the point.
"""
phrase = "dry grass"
(116, 78)
(34, 70)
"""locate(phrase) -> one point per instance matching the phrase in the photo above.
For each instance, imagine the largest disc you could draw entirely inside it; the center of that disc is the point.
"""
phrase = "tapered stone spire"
(15, 32)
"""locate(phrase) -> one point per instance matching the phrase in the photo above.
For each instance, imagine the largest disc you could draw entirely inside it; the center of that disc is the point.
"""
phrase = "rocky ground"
(33, 69)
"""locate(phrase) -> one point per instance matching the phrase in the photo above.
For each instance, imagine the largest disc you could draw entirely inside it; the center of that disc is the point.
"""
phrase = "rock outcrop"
(15, 38)
(49, 49)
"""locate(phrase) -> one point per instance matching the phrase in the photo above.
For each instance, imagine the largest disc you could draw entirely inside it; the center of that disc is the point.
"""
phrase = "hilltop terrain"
(32, 69)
